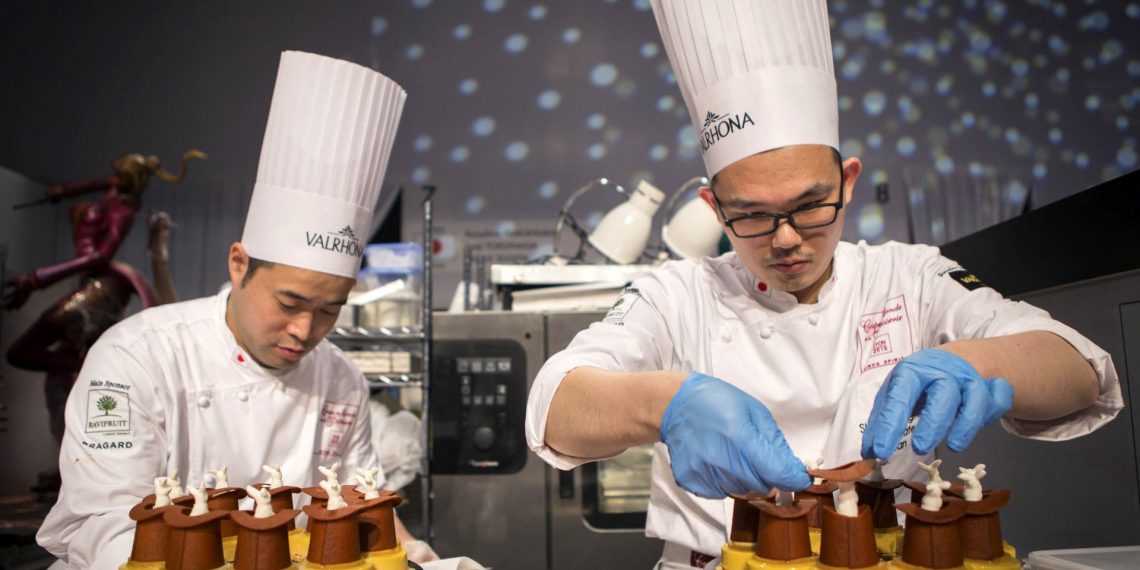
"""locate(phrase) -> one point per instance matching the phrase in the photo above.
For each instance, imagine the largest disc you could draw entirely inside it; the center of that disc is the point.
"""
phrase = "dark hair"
(834, 154)
(251, 268)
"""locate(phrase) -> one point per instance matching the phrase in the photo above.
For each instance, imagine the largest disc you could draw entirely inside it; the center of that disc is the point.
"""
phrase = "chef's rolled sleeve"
(634, 336)
(955, 312)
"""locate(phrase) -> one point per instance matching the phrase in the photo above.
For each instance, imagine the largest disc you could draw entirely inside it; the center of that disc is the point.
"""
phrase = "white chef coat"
(169, 388)
(817, 367)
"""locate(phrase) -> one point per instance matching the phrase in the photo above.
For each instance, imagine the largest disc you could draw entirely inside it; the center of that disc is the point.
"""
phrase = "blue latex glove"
(958, 404)
(721, 441)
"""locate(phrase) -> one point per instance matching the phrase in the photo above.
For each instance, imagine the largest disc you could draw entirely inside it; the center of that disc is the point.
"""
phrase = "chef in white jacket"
(794, 345)
(245, 378)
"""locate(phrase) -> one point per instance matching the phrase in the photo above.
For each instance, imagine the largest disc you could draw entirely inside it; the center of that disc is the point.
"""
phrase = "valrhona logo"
(719, 126)
(341, 241)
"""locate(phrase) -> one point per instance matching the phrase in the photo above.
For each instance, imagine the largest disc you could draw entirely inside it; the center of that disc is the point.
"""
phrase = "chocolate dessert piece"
(823, 496)
(980, 527)
(193, 543)
(335, 534)
(263, 543)
(847, 541)
(150, 530)
(745, 517)
(880, 497)
(226, 500)
(932, 539)
(783, 531)
(377, 522)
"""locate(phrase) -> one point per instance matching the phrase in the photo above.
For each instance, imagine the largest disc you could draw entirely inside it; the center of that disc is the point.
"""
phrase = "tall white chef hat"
(755, 74)
(327, 143)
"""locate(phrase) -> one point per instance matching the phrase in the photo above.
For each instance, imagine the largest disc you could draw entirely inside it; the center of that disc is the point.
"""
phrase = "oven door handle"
(566, 484)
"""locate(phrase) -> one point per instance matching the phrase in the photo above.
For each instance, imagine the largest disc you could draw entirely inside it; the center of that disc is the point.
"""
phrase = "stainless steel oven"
(495, 501)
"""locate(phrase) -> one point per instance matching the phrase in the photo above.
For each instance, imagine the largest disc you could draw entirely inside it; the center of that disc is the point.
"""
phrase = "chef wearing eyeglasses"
(795, 346)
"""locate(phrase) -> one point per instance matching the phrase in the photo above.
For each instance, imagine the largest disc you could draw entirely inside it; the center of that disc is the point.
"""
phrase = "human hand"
(16, 291)
(956, 403)
(723, 441)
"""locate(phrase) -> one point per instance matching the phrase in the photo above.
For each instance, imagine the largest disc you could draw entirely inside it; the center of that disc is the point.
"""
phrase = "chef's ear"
(852, 167)
(238, 262)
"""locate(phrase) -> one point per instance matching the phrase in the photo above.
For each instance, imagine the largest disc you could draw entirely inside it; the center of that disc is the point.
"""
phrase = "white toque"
(327, 143)
(755, 74)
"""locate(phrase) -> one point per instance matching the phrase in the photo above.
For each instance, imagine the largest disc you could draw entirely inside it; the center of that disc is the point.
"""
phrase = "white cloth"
(816, 367)
(399, 443)
(169, 388)
(461, 563)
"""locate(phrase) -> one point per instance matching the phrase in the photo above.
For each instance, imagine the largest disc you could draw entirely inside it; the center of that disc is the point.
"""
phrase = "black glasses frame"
(838, 205)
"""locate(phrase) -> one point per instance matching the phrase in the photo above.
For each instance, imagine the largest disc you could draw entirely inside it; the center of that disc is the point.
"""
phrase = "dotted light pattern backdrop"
(513, 105)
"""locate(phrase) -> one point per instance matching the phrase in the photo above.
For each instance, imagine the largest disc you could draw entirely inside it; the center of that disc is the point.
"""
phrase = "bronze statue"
(58, 341)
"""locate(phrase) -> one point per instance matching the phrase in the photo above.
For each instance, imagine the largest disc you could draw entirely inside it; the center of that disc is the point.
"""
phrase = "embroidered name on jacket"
(884, 336)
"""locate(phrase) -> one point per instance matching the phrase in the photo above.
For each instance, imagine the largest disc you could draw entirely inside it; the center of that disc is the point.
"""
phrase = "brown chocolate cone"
(262, 544)
(378, 522)
(193, 543)
(822, 495)
(318, 497)
(150, 531)
(225, 500)
(880, 496)
(932, 538)
(745, 518)
(848, 542)
(980, 527)
(335, 534)
(783, 531)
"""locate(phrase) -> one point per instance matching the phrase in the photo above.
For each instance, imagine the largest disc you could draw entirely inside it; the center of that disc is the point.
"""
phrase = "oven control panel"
(478, 405)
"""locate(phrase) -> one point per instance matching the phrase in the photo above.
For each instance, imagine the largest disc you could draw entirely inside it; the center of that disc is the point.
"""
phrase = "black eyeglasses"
(808, 217)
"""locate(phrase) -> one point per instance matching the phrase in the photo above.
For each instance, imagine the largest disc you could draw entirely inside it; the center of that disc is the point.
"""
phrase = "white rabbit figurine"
(335, 500)
(200, 506)
(932, 500)
(973, 480)
(274, 472)
(262, 498)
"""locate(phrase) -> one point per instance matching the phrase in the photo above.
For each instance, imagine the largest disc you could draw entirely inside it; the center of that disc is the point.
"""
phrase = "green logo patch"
(108, 411)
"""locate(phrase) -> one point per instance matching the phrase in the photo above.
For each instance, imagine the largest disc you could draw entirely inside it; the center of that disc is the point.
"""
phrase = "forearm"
(1050, 378)
(597, 413)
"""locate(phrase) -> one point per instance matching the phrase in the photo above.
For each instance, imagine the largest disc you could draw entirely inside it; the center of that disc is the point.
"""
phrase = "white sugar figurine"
(973, 480)
(161, 492)
(274, 472)
(262, 498)
(932, 470)
(200, 506)
(847, 500)
(367, 479)
(175, 485)
(221, 480)
(932, 500)
(335, 500)
(330, 473)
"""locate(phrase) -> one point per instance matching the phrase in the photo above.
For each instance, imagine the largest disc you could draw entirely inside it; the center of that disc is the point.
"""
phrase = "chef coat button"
(766, 332)
(813, 318)
(243, 395)
(726, 335)
(203, 401)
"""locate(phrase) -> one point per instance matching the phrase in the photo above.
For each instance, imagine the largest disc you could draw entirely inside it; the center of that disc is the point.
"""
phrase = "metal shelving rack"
(355, 337)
